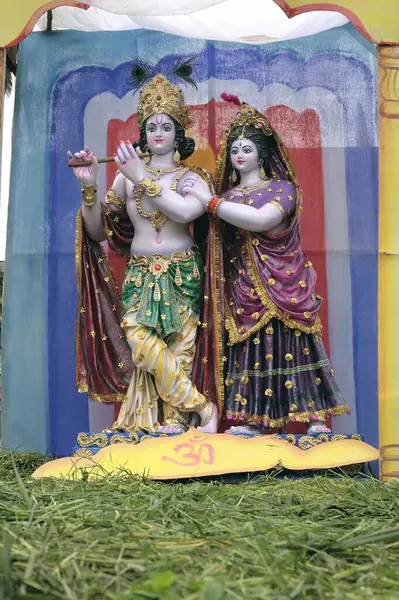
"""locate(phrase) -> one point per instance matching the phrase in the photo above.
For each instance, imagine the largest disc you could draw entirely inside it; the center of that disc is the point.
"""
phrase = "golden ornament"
(160, 96)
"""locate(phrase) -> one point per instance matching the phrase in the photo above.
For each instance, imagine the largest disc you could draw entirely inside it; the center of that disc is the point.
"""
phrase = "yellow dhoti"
(162, 369)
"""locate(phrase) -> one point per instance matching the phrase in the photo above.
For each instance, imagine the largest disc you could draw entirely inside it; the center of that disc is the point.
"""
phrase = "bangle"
(217, 206)
(152, 188)
(89, 194)
(213, 205)
(112, 198)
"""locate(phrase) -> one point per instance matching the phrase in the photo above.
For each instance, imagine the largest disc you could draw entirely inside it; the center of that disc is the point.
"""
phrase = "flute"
(106, 159)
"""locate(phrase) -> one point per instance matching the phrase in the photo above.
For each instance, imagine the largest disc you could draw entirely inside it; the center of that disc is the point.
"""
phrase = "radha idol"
(140, 350)
(272, 367)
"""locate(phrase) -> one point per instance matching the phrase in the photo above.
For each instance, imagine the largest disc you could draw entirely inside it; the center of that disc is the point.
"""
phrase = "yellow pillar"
(388, 291)
(2, 91)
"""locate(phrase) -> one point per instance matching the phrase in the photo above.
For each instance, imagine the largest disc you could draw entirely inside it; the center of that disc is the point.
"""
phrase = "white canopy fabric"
(248, 21)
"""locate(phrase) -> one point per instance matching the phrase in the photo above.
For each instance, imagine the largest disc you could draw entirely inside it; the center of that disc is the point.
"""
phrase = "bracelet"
(89, 194)
(152, 187)
(217, 206)
(112, 198)
(213, 205)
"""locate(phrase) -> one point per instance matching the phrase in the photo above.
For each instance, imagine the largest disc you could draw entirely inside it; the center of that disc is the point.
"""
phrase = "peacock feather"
(179, 70)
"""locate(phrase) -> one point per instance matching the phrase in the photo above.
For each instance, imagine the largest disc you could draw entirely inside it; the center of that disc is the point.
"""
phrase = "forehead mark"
(243, 143)
(159, 119)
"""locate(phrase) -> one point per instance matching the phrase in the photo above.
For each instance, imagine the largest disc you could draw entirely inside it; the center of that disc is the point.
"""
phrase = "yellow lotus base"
(194, 454)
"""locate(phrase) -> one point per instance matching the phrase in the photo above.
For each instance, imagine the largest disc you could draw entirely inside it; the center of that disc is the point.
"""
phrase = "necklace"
(249, 188)
(159, 172)
(156, 218)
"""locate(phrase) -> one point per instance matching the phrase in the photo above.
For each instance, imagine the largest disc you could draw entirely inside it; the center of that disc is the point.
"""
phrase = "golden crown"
(249, 117)
(161, 96)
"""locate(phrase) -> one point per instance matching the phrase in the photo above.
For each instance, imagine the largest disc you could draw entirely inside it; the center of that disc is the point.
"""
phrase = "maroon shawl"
(103, 356)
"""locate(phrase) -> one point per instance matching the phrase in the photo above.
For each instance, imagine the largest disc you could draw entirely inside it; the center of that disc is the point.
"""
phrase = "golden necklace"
(157, 218)
(159, 172)
(250, 188)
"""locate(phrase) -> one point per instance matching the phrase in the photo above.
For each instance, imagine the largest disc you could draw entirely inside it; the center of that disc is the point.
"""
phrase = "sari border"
(272, 309)
(300, 417)
(217, 317)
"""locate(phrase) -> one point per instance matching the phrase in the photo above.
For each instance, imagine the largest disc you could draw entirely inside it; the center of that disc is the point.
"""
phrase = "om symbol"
(192, 453)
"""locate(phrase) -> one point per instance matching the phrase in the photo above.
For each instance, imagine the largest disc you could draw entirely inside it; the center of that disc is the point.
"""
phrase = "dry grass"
(126, 538)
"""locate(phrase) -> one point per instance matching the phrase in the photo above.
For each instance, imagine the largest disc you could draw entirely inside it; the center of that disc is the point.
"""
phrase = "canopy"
(252, 21)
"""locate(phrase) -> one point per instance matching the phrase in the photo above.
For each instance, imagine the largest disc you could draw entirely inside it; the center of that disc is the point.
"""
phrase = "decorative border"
(88, 444)
(308, 441)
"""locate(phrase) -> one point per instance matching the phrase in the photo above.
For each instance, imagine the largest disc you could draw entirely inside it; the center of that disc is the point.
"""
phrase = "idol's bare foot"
(169, 428)
(244, 429)
(318, 427)
(209, 419)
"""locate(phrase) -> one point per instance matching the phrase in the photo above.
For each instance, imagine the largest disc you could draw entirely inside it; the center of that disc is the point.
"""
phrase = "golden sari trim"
(301, 417)
(216, 312)
(83, 388)
(231, 327)
(221, 164)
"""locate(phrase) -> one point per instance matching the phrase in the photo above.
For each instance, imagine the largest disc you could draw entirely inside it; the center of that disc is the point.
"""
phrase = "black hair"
(186, 145)
(265, 144)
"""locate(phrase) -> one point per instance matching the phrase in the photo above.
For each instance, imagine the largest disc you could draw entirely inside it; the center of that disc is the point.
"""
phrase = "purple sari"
(260, 350)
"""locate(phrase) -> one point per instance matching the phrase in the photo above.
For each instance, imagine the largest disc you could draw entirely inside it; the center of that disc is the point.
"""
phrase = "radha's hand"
(87, 175)
(197, 187)
(129, 163)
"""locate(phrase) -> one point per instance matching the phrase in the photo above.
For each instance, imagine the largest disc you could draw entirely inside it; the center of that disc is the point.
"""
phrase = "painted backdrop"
(73, 89)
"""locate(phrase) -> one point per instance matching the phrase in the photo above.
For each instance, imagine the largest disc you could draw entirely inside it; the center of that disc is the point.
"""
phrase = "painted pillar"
(388, 284)
(379, 23)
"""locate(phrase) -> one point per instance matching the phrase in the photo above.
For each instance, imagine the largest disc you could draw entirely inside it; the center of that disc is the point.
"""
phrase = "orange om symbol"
(192, 456)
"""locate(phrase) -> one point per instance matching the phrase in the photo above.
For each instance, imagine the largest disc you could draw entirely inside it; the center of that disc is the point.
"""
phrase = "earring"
(176, 156)
(234, 176)
(147, 158)
(262, 173)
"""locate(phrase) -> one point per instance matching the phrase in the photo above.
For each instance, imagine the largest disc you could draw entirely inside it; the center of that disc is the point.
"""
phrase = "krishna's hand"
(129, 163)
(197, 187)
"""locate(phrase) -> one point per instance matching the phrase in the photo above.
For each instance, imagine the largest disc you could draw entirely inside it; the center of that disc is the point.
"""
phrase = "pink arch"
(349, 14)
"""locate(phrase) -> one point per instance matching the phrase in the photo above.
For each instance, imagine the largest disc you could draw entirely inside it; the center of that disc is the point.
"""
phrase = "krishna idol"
(140, 349)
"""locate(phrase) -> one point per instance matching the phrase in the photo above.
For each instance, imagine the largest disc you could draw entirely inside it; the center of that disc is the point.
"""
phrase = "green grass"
(122, 539)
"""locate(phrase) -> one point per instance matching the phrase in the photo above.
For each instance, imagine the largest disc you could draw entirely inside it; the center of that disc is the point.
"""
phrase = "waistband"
(160, 262)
